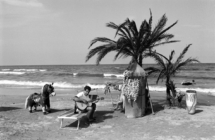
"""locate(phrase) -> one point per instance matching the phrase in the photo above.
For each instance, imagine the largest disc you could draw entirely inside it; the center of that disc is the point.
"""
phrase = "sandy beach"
(16, 123)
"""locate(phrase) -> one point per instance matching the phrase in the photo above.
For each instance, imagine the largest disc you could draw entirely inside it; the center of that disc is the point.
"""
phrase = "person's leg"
(91, 111)
(117, 106)
(48, 105)
(43, 104)
(123, 102)
(30, 105)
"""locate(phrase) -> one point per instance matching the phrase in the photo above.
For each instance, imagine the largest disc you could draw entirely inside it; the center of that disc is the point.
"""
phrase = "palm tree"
(167, 69)
(131, 41)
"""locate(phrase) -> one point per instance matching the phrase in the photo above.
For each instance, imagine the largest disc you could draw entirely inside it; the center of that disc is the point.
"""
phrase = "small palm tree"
(168, 69)
(132, 42)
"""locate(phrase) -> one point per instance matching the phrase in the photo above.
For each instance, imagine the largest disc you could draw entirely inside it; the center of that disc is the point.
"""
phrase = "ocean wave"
(211, 77)
(30, 70)
(88, 74)
(201, 90)
(66, 85)
(11, 72)
(98, 75)
(5, 69)
(12, 83)
(113, 75)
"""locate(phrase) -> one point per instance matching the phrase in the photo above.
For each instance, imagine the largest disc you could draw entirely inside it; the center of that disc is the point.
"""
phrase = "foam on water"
(10, 72)
(67, 85)
(77, 76)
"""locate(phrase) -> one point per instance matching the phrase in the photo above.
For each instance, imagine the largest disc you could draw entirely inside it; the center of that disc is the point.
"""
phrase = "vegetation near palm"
(167, 69)
(139, 44)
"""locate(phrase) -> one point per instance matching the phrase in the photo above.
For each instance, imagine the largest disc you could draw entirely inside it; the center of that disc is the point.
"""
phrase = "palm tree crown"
(166, 68)
(131, 41)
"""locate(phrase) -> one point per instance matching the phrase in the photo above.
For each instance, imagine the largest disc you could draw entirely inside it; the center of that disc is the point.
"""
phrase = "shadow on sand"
(100, 115)
(8, 108)
(53, 110)
(198, 111)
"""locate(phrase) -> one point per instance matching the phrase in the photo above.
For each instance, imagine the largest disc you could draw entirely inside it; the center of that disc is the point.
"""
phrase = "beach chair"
(71, 115)
(77, 115)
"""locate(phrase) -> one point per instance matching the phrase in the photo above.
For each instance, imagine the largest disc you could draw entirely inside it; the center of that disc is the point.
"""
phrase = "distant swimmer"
(187, 83)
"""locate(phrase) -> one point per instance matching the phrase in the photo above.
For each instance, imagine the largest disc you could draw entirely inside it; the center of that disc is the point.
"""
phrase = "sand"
(16, 123)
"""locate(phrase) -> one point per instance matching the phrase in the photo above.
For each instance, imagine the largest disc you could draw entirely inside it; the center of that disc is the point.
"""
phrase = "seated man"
(83, 97)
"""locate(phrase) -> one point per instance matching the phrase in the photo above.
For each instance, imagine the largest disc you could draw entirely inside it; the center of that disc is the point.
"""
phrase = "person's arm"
(78, 99)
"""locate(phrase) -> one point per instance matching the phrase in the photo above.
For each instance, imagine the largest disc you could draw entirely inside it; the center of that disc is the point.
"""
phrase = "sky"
(59, 32)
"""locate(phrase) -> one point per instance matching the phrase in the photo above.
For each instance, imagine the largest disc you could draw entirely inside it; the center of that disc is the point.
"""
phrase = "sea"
(78, 76)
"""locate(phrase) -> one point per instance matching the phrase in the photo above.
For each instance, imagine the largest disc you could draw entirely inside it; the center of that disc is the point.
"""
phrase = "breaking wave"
(11, 73)
(12, 83)
(66, 85)
(99, 75)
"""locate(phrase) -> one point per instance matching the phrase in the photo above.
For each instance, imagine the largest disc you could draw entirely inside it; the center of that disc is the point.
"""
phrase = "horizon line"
(82, 64)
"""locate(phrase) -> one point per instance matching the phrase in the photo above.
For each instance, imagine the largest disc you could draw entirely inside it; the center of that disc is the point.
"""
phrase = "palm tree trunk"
(168, 95)
(140, 61)
(132, 60)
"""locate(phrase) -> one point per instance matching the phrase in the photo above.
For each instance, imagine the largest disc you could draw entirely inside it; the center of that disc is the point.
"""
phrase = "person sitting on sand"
(187, 83)
(179, 96)
(83, 97)
(120, 105)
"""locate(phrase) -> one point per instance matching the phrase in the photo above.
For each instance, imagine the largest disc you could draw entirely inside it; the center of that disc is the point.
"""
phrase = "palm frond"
(132, 26)
(151, 70)
(94, 51)
(150, 20)
(178, 66)
(171, 55)
(101, 39)
(118, 28)
(161, 75)
(157, 59)
(101, 54)
(144, 27)
(181, 56)
(167, 42)
(124, 50)
(160, 25)
(168, 28)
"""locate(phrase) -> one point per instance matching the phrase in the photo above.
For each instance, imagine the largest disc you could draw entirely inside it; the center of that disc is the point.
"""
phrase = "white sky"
(40, 32)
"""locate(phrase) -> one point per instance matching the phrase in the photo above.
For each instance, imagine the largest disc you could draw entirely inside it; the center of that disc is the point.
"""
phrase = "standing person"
(120, 105)
(46, 91)
(83, 97)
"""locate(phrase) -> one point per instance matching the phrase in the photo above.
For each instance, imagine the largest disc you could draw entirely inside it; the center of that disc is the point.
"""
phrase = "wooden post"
(61, 123)
(78, 124)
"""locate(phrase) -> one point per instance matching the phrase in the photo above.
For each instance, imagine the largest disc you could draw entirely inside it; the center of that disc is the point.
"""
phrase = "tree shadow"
(8, 108)
(157, 106)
